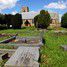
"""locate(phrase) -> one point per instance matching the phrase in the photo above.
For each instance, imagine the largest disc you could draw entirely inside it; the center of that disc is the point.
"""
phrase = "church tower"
(25, 9)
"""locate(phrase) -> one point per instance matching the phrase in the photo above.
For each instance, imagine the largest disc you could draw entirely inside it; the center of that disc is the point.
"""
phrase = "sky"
(14, 6)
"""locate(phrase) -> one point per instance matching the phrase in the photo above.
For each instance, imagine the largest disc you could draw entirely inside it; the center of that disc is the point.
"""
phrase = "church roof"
(31, 15)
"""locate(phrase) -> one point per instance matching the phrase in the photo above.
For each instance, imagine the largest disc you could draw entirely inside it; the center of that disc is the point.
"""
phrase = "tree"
(8, 20)
(42, 20)
(35, 21)
(14, 20)
(2, 19)
(64, 21)
(17, 21)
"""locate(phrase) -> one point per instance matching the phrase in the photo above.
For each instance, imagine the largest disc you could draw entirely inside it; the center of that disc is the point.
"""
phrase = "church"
(29, 16)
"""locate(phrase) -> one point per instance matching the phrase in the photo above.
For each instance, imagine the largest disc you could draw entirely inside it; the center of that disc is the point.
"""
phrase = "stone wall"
(54, 22)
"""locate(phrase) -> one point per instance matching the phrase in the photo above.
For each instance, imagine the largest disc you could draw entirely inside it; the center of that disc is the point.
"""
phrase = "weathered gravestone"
(24, 57)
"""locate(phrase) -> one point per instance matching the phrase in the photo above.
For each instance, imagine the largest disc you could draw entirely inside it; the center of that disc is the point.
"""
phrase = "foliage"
(35, 21)
(1, 19)
(18, 21)
(14, 20)
(64, 20)
(42, 20)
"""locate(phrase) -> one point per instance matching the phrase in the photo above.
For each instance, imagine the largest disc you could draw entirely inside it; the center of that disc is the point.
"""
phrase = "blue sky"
(14, 6)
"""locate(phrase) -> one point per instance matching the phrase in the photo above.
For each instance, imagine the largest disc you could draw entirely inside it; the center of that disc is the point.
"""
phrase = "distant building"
(26, 15)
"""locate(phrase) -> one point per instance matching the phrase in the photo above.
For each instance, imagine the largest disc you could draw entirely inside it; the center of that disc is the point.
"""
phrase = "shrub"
(14, 20)
(42, 20)
(17, 21)
(64, 21)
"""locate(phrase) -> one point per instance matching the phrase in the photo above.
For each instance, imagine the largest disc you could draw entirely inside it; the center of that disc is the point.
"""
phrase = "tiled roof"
(31, 15)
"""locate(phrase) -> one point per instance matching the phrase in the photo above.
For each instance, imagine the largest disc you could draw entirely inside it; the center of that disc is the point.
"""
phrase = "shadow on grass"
(23, 28)
(40, 54)
(3, 28)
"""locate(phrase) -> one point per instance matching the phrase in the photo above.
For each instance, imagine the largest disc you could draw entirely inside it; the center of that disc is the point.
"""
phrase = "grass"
(7, 46)
(2, 62)
(24, 32)
(3, 38)
(51, 54)
(27, 31)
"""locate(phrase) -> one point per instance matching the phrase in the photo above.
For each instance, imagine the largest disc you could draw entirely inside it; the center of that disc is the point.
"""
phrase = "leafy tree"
(8, 19)
(42, 20)
(14, 20)
(2, 19)
(64, 20)
(35, 21)
(17, 21)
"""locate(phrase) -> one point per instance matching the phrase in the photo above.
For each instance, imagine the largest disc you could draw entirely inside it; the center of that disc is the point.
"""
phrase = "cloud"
(57, 5)
(14, 12)
(4, 4)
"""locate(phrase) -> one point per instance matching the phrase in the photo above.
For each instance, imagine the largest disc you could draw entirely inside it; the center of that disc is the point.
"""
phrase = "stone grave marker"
(24, 57)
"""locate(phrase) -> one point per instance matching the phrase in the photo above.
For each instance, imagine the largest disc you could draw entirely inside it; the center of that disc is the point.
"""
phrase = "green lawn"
(26, 31)
(3, 38)
(51, 54)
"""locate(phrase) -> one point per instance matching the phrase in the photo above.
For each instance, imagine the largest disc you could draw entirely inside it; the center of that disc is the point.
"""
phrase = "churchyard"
(47, 54)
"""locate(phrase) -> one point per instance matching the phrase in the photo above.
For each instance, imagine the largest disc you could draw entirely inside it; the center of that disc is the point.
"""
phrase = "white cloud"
(4, 4)
(14, 12)
(57, 5)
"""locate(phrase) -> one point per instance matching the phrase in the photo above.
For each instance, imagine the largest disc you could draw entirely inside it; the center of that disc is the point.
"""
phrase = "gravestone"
(24, 57)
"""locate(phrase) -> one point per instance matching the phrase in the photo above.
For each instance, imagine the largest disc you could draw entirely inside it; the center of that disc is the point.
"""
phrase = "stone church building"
(29, 16)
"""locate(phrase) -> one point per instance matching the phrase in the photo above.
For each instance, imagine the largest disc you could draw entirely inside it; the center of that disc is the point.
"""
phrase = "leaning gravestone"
(24, 57)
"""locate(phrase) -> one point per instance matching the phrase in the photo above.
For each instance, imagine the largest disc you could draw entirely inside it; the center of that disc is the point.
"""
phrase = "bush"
(14, 20)
(17, 21)
(42, 20)
(64, 21)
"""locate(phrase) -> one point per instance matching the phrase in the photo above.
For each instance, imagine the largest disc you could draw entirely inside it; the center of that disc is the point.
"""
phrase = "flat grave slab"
(24, 57)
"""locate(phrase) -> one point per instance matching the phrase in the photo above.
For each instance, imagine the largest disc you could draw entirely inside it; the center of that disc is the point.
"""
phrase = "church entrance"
(27, 23)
